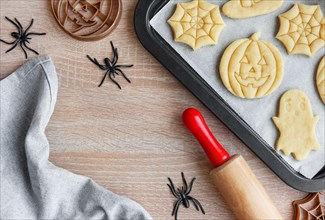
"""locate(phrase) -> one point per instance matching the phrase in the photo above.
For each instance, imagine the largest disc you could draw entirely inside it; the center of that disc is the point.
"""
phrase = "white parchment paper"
(299, 73)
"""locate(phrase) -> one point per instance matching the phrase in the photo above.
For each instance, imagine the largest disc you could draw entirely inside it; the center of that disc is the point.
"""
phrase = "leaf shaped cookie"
(250, 8)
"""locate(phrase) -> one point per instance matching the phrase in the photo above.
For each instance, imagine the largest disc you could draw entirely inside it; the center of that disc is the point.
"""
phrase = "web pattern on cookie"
(197, 23)
(312, 207)
(302, 29)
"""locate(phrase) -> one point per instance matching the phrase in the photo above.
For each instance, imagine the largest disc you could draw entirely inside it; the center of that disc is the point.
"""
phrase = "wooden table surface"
(130, 140)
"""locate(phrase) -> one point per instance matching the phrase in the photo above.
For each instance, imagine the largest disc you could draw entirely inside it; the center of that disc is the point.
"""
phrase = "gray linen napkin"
(31, 186)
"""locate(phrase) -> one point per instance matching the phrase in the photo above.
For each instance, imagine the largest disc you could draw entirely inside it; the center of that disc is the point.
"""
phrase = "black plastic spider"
(21, 37)
(111, 67)
(183, 196)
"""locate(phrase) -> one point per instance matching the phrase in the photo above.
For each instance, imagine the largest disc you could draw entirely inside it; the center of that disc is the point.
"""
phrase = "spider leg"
(175, 209)
(125, 77)
(21, 29)
(29, 48)
(110, 76)
(115, 54)
(34, 33)
(197, 204)
(11, 21)
(122, 66)
(184, 181)
(104, 77)
(8, 42)
(95, 61)
(172, 190)
(31, 23)
(21, 45)
(103, 67)
(13, 47)
(191, 185)
(172, 186)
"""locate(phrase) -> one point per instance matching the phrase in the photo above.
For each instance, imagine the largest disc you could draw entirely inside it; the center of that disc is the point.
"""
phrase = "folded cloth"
(31, 186)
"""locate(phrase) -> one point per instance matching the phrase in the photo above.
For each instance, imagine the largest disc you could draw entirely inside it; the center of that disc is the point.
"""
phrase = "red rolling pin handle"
(195, 123)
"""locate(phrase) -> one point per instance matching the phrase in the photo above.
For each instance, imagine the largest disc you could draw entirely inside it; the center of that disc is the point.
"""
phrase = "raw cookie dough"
(320, 79)
(302, 29)
(250, 8)
(251, 68)
(296, 124)
(196, 23)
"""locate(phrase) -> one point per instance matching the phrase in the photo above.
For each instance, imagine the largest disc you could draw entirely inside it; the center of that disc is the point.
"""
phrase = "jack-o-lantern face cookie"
(196, 23)
(302, 29)
(320, 79)
(87, 20)
(250, 8)
(251, 68)
(296, 124)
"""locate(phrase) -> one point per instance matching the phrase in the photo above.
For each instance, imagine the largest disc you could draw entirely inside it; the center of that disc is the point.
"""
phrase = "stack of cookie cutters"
(87, 20)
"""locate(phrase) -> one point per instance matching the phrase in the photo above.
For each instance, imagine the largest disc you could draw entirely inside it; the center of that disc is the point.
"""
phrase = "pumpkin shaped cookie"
(251, 68)
(250, 8)
(296, 124)
(320, 79)
(196, 23)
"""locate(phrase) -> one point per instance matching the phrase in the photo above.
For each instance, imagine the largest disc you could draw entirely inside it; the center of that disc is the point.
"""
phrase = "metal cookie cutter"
(87, 20)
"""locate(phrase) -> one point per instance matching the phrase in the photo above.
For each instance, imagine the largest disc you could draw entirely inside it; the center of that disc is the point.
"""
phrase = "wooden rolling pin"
(232, 175)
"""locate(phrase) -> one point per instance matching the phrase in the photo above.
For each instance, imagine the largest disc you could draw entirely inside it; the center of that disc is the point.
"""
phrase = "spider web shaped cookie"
(302, 29)
(197, 23)
(311, 207)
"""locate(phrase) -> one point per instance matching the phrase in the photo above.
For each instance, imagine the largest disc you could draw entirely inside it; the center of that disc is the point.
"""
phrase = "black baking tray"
(172, 61)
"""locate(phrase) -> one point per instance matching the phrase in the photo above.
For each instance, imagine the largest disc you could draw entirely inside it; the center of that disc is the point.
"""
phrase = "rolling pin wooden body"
(242, 191)
(232, 176)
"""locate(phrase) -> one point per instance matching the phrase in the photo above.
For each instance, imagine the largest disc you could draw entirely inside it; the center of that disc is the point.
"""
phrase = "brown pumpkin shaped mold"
(87, 20)
(251, 68)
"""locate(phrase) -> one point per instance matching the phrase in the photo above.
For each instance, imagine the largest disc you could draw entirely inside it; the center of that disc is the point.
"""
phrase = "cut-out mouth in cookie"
(254, 81)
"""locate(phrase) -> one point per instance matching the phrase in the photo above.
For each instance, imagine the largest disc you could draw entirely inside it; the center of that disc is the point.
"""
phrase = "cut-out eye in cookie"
(288, 107)
(244, 60)
(262, 61)
(302, 106)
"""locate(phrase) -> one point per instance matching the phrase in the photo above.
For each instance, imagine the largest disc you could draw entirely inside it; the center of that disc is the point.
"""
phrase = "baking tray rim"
(176, 65)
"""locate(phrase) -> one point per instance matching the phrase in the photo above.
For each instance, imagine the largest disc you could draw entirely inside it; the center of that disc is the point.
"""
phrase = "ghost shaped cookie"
(320, 79)
(250, 8)
(296, 124)
(197, 23)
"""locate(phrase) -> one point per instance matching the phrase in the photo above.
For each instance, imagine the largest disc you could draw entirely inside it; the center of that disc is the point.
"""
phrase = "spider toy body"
(183, 196)
(21, 37)
(111, 67)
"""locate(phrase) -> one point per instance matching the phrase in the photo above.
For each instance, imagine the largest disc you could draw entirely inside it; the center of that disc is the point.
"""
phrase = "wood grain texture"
(128, 141)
